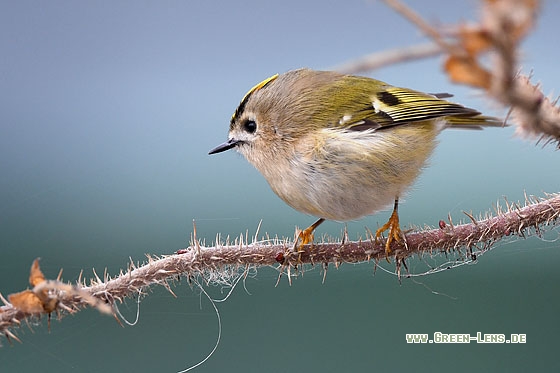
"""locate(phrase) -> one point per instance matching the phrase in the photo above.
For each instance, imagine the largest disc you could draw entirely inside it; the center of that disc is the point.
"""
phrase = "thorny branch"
(503, 24)
(221, 260)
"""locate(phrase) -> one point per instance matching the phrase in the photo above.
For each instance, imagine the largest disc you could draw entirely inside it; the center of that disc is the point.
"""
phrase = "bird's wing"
(394, 106)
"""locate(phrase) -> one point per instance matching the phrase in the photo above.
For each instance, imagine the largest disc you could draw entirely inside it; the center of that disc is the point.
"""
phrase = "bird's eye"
(250, 126)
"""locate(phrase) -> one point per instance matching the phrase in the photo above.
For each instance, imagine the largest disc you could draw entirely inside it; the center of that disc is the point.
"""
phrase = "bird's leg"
(394, 228)
(306, 235)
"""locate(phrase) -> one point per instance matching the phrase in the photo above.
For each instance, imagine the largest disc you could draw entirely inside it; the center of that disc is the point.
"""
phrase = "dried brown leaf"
(27, 301)
(474, 40)
(466, 70)
(36, 276)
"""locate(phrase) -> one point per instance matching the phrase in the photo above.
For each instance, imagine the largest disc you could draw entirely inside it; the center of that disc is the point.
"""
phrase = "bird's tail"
(476, 122)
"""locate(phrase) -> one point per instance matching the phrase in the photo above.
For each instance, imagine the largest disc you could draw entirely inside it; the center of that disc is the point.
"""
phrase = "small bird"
(341, 147)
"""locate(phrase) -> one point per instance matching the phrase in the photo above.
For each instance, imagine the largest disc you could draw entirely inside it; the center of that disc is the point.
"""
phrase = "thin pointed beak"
(231, 143)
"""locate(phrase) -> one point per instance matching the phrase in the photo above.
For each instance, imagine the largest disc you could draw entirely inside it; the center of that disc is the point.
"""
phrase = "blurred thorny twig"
(502, 26)
(484, 55)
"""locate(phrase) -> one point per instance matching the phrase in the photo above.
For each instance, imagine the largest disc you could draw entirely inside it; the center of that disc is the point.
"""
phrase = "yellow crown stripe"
(251, 91)
(259, 86)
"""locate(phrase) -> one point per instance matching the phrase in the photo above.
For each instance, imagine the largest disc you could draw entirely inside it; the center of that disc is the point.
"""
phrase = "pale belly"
(350, 175)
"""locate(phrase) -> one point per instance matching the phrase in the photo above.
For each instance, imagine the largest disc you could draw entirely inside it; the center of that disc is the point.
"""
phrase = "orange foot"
(305, 236)
(394, 228)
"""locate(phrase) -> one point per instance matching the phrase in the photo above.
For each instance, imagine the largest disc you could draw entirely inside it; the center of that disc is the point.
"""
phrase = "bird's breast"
(344, 175)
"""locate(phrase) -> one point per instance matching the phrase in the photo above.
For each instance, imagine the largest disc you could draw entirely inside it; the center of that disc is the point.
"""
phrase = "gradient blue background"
(107, 112)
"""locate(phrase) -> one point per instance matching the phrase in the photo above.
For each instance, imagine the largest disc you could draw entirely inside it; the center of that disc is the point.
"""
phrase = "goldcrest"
(339, 146)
